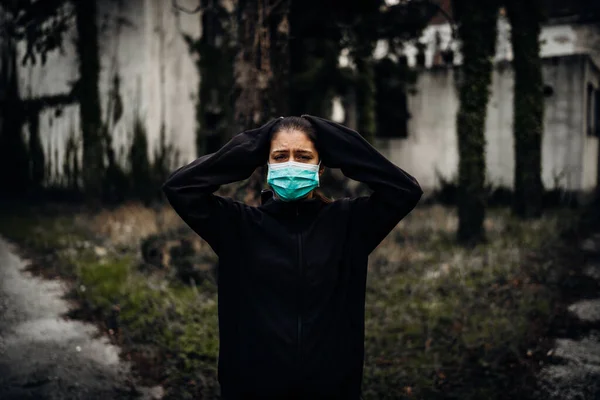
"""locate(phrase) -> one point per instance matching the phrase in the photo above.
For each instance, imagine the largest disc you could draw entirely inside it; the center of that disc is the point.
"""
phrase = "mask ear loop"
(318, 174)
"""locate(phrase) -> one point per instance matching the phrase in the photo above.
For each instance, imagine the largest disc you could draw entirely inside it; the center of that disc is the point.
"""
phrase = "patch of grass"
(44, 233)
(442, 321)
(147, 312)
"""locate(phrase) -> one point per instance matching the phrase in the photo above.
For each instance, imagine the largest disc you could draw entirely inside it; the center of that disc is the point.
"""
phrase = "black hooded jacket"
(292, 275)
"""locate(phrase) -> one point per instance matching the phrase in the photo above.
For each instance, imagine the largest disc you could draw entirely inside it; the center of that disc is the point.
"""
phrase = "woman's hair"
(296, 124)
(304, 126)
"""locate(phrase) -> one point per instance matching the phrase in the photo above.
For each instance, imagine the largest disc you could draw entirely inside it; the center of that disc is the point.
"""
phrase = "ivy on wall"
(525, 18)
(477, 32)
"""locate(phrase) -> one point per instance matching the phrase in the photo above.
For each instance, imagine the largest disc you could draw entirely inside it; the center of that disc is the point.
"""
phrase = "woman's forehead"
(292, 140)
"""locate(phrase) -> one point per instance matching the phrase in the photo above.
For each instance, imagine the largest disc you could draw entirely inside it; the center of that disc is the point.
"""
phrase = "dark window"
(391, 79)
(597, 112)
(591, 110)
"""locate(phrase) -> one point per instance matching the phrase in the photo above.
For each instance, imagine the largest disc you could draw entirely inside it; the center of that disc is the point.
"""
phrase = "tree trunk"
(525, 19)
(279, 87)
(477, 32)
(260, 84)
(261, 70)
(14, 158)
(89, 97)
(215, 52)
(365, 93)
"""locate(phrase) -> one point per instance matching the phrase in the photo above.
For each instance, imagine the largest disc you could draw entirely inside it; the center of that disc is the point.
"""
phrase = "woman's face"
(292, 145)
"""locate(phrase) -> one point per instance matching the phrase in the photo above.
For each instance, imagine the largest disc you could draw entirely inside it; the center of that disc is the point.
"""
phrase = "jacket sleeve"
(190, 188)
(395, 192)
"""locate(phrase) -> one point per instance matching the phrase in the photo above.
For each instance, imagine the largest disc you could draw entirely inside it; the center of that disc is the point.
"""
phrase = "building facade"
(570, 51)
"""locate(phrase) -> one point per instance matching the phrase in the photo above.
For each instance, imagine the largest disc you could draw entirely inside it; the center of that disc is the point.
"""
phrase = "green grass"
(173, 318)
(442, 321)
(453, 322)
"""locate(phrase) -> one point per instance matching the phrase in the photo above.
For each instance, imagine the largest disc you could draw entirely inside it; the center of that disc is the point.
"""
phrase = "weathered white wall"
(159, 83)
(570, 158)
(159, 79)
(431, 147)
(591, 145)
(564, 123)
(555, 40)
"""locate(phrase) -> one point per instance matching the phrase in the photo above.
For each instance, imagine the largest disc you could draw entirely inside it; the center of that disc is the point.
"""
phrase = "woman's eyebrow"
(280, 151)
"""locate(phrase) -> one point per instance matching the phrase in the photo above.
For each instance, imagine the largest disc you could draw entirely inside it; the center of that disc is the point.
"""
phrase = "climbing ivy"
(525, 18)
(477, 32)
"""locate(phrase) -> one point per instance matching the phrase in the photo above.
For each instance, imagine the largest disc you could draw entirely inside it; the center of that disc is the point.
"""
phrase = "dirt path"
(574, 369)
(45, 356)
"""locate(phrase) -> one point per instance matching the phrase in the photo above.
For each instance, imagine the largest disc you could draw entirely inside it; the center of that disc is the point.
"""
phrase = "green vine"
(525, 19)
(477, 31)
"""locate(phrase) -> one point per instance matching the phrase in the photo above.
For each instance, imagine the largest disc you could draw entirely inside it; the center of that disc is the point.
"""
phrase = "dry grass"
(130, 223)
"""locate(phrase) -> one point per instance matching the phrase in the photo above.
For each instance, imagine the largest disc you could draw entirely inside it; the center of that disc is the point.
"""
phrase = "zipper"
(299, 285)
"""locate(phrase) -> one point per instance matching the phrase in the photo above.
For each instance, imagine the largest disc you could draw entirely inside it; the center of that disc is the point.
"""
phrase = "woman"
(292, 272)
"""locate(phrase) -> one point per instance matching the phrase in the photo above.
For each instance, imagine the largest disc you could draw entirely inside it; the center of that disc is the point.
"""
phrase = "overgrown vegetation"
(442, 321)
(477, 31)
(446, 193)
(525, 19)
(448, 322)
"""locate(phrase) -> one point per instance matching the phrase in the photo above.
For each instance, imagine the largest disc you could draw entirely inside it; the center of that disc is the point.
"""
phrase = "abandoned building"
(147, 68)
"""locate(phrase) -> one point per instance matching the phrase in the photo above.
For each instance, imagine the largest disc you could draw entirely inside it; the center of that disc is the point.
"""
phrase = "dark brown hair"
(304, 126)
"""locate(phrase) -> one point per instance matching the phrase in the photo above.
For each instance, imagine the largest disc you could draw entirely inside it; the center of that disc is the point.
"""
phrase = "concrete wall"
(159, 79)
(431, 147)
(591, 143)
(564, 123)
(555, 39)
(159, 84)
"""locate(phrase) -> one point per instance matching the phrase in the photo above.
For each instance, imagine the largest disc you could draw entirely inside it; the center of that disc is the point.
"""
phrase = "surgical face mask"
(293, 180)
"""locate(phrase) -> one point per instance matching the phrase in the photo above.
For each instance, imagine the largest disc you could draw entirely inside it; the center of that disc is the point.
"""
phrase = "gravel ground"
(575, 371)
(43, 355)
